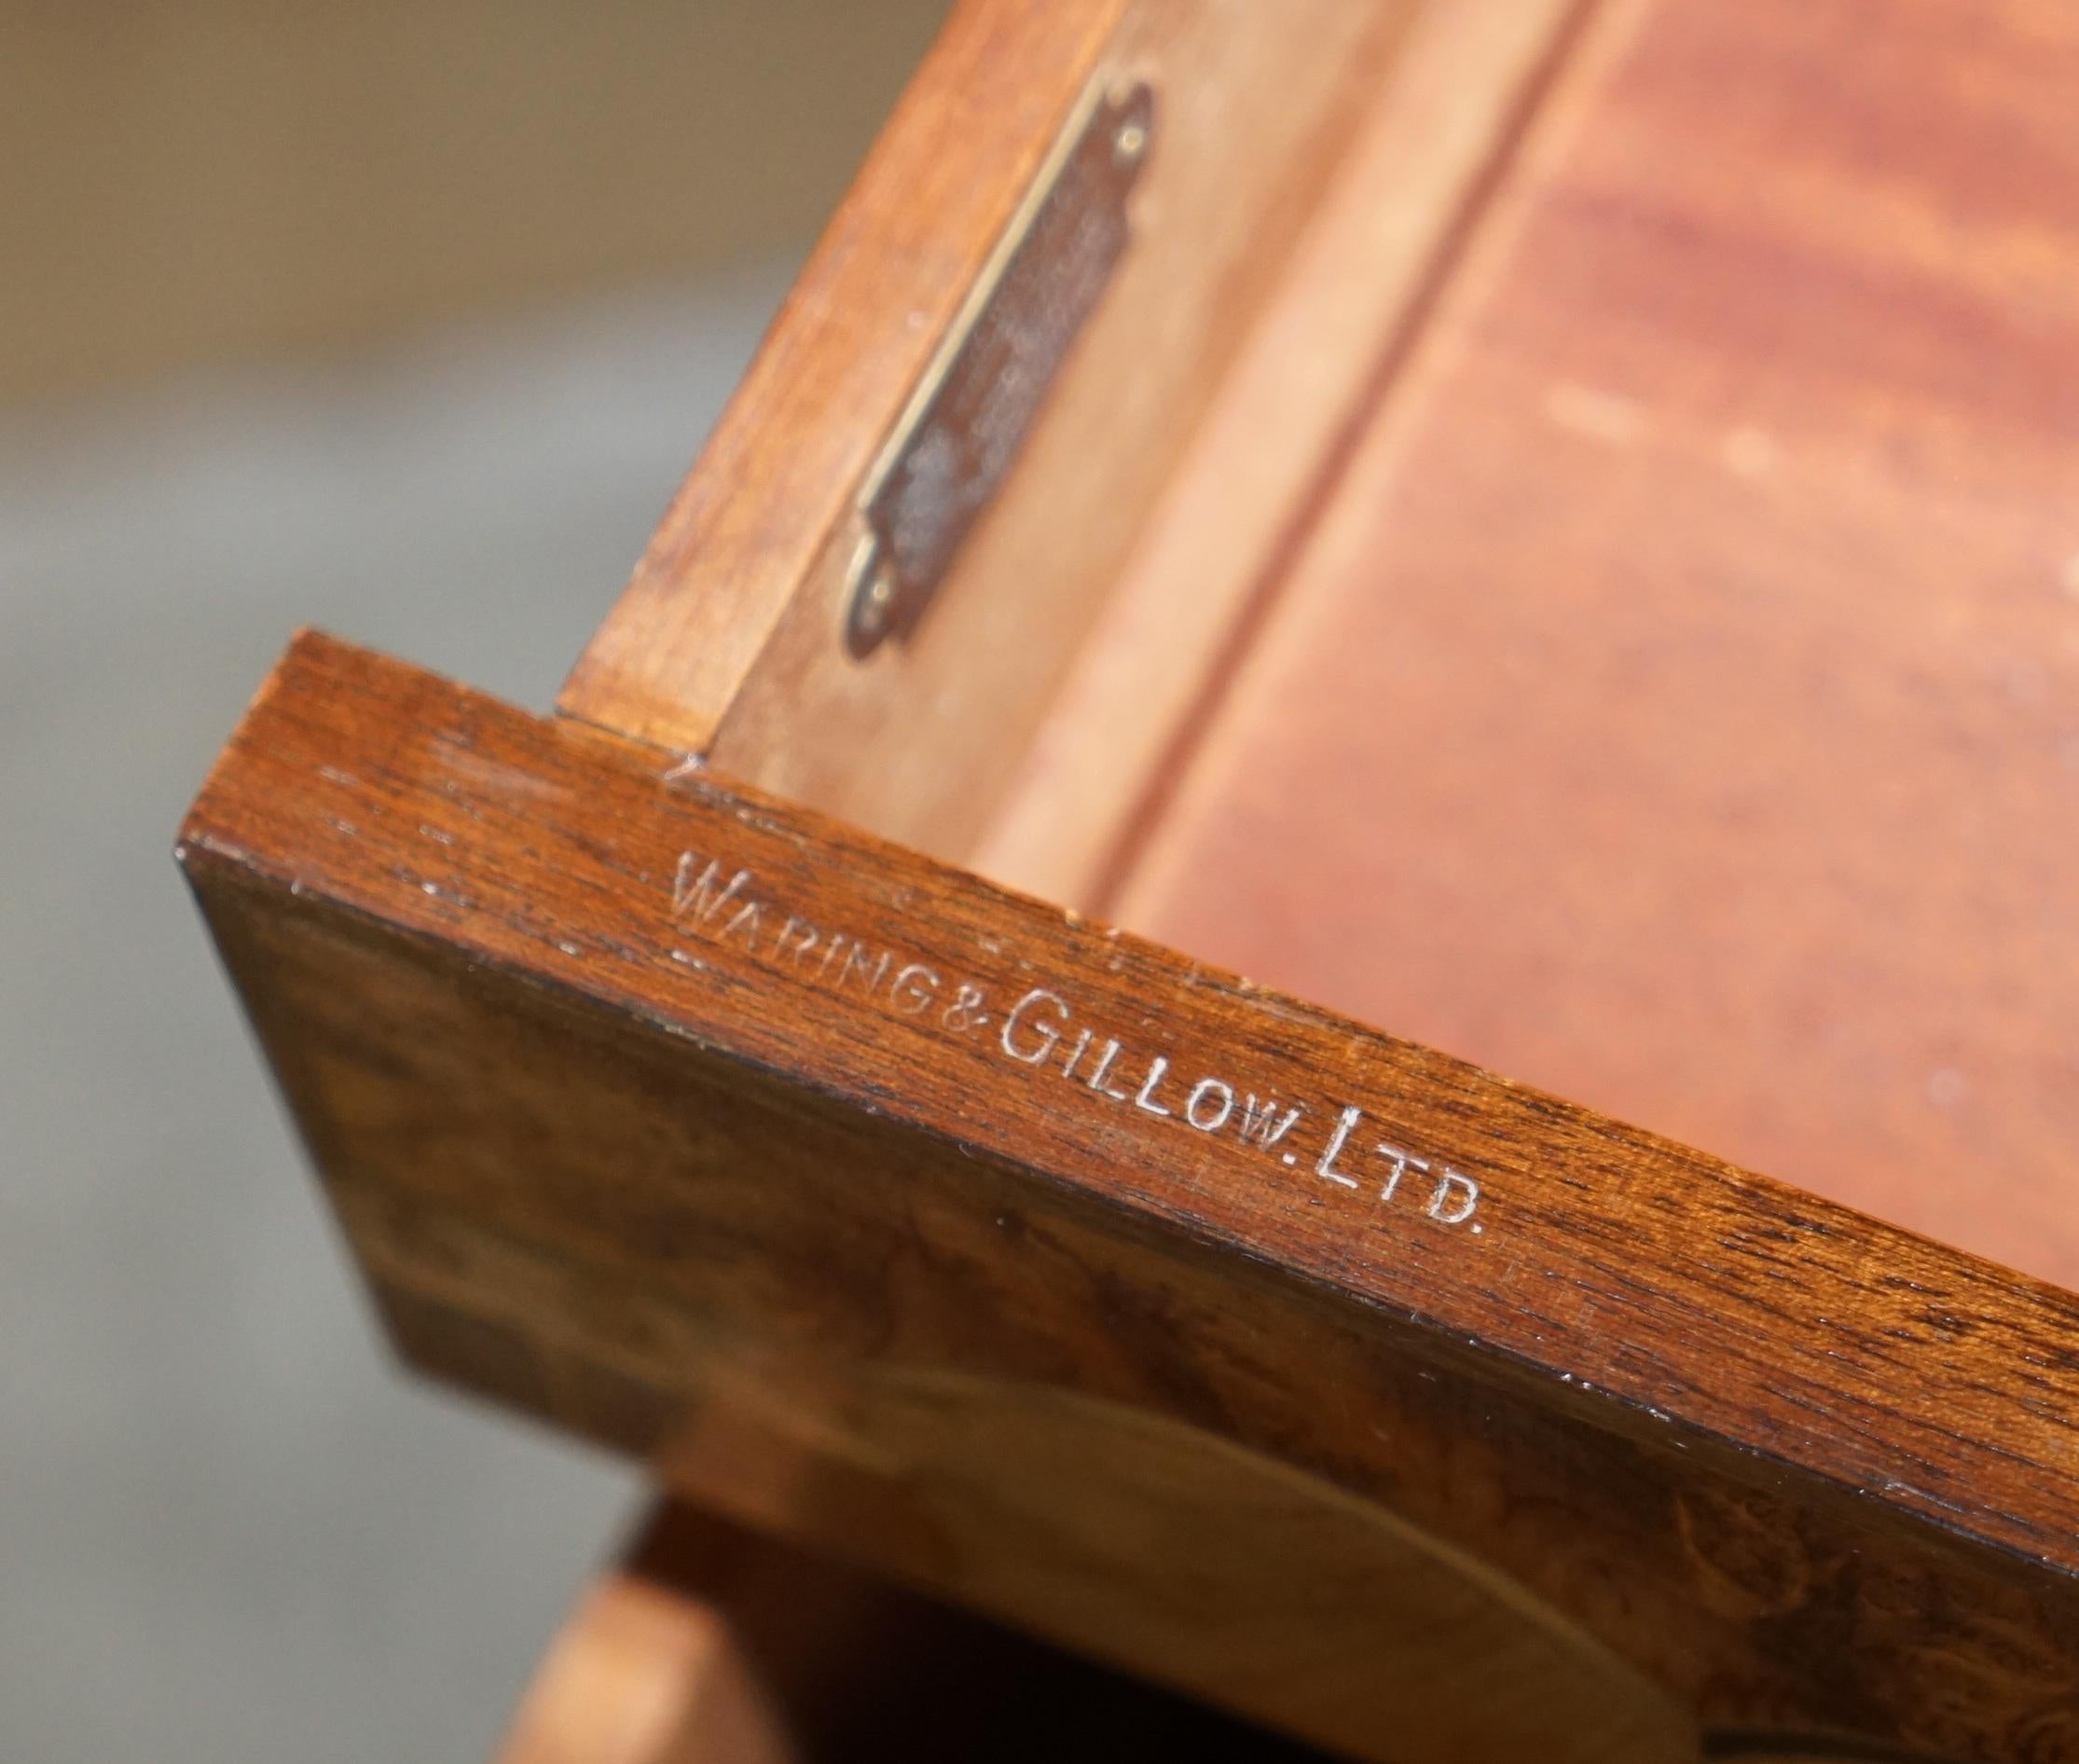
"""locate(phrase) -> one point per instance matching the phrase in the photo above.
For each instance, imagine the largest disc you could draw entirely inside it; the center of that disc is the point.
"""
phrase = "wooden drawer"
(1547, 528)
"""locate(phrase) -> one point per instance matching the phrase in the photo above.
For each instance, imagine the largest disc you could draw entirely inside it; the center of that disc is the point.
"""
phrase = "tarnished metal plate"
(970, 413)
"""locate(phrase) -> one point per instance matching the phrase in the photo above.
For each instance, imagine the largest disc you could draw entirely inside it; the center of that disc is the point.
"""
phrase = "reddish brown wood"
(651, 1668)
(1390, 214)
(1678, 703)
(805, 1229)
(1306, 162)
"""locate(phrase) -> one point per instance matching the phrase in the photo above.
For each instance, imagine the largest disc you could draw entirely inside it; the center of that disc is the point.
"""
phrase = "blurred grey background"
(402, 320)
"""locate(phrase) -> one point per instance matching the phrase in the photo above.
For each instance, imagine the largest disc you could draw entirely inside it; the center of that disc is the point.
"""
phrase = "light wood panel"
(763, 507)
(1440, 127)
(646, 1672)
(1309, 162)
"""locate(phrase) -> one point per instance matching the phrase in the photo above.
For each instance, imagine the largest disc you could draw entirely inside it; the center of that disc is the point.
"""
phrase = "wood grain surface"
(1389, 221)
(777, 477)
(771, 1171)
(1307, 160)
(1677, 704)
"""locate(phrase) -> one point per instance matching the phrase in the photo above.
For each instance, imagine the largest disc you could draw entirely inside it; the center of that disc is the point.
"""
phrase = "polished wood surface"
(1306, 162)
(1600, 602)
(832, 1241)
(1676, 704)
(1355, 289)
